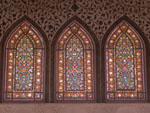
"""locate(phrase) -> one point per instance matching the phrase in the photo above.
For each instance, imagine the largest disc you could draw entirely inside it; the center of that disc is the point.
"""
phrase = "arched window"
(74, 68)
(24, 75)
(125, 64)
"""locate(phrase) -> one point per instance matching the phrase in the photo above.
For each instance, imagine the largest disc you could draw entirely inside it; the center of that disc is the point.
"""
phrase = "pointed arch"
(24, 52)
(124, 50)
(74, 66)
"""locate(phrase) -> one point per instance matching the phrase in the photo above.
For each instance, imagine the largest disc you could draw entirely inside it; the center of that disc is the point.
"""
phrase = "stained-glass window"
(75, 75)
(24, 77)
(124, 58)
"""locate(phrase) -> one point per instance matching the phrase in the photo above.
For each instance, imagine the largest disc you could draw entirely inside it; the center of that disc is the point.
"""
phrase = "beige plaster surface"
(75, 108)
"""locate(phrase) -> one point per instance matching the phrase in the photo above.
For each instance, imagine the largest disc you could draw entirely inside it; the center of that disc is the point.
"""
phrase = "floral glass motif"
(75, 74)
(124, 51)
(74, 65)
(24, 77)
(24, 66)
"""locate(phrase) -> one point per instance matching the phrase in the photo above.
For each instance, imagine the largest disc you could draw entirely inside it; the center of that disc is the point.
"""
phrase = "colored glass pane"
(124, 51)
(124, 60)
(24, 66)
(74, 65)
(24, 76)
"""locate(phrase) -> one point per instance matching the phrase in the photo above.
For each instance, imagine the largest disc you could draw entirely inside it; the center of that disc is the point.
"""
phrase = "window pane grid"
(124, 65)
(74, 66)
(24, 69)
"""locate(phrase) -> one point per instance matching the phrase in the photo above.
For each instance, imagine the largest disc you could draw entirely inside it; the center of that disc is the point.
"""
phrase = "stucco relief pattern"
(99, 15)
